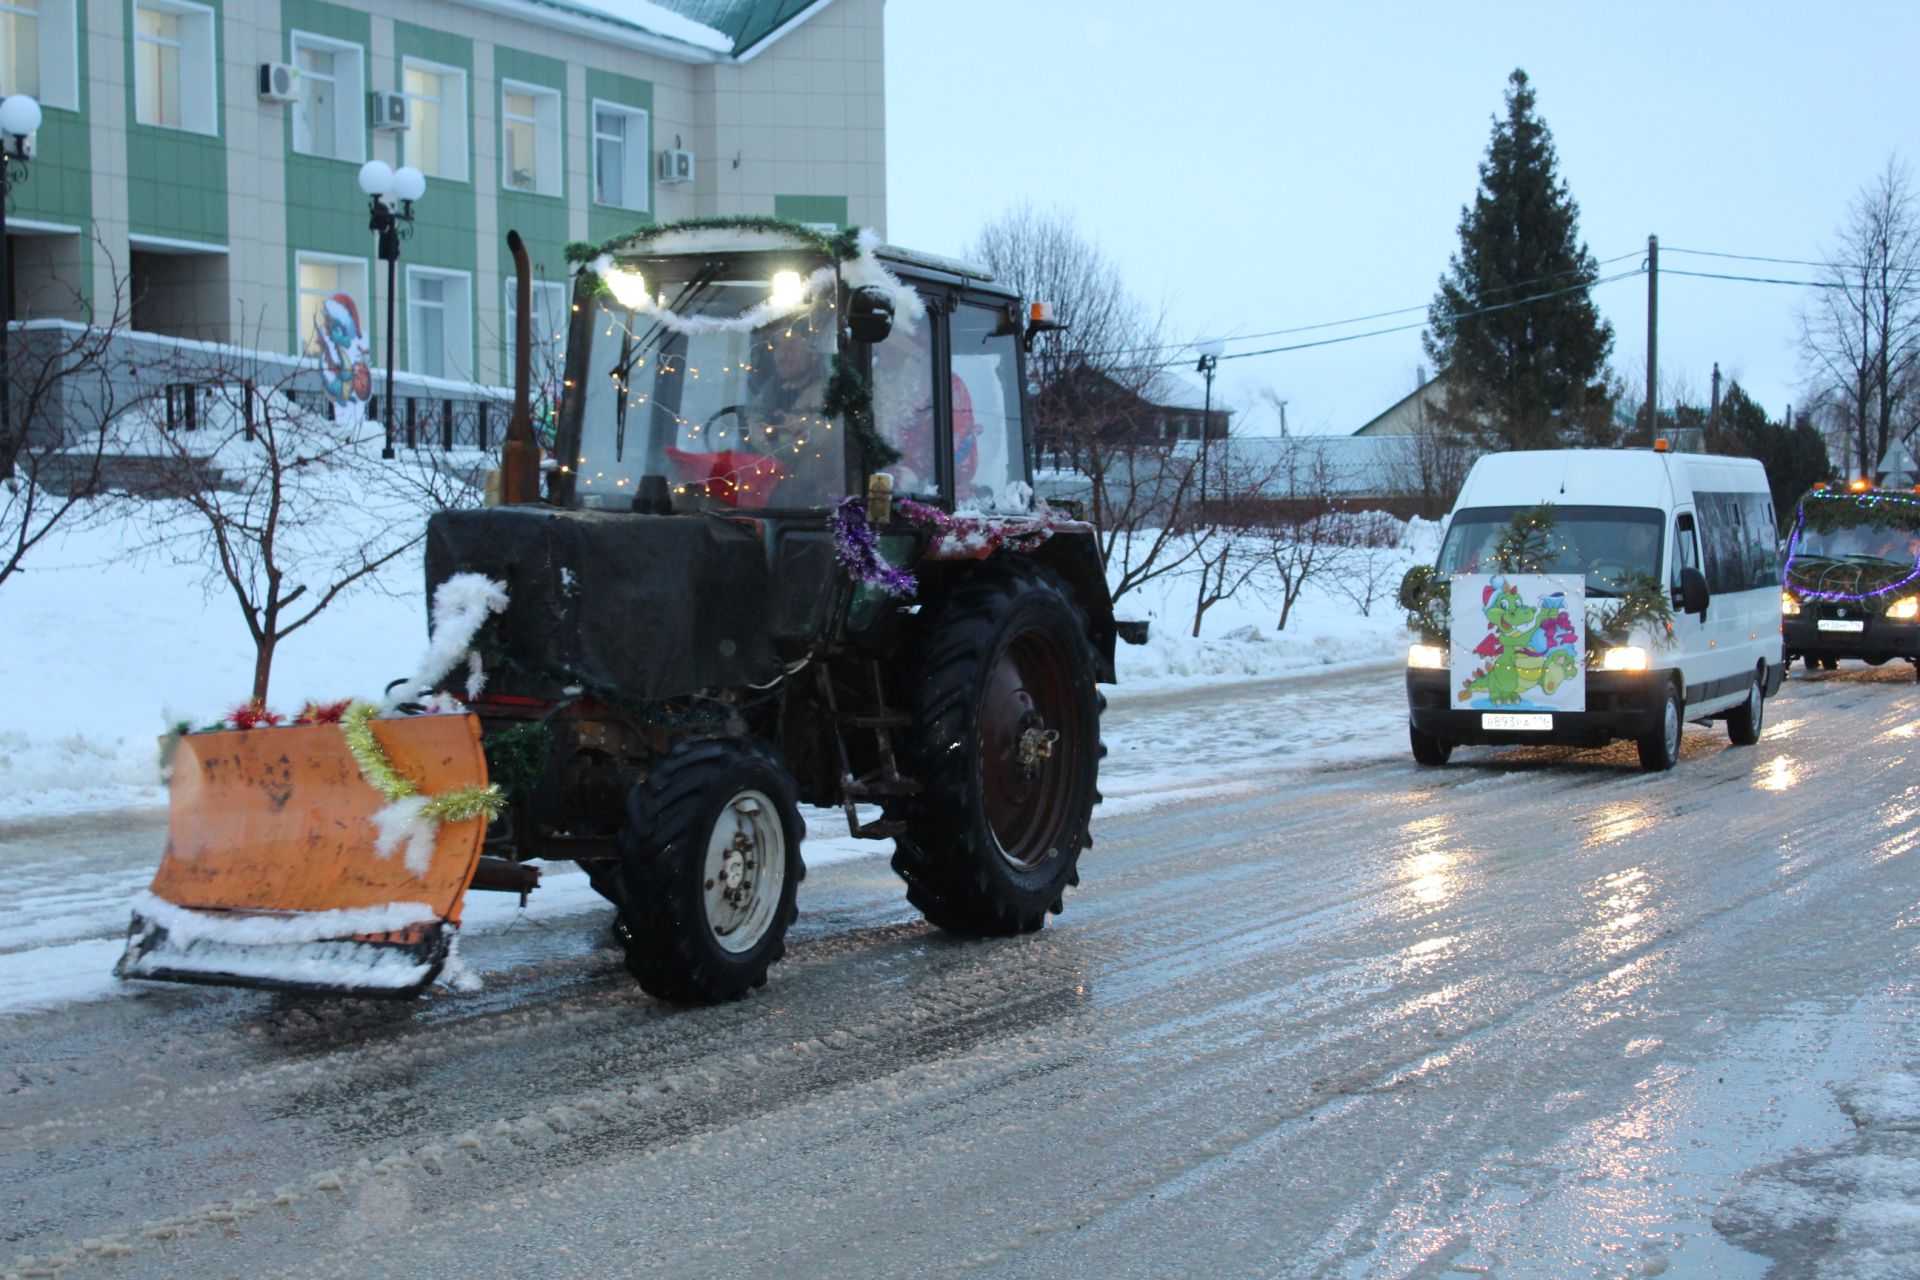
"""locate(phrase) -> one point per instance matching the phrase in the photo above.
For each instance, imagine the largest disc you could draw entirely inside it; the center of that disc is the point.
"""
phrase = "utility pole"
(1653, 339)
(1713, 406)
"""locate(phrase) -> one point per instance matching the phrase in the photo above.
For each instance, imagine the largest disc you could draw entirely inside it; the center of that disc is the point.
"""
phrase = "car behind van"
(1852, 586)
(1695, 529)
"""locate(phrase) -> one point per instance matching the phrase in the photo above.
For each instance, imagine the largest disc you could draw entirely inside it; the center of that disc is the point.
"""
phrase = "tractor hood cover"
(649, 607)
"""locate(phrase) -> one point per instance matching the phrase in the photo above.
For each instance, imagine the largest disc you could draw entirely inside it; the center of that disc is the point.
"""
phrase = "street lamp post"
(19, 120)
(392, 222)
(1210, 350)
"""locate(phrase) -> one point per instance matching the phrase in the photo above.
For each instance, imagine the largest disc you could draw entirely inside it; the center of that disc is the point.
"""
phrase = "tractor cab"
(753, 369)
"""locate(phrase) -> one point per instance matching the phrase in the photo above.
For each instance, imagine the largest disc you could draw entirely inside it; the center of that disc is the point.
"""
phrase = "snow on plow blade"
(271, 877)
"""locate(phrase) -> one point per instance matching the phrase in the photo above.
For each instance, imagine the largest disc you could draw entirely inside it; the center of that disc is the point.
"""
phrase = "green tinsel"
(840, 246)
(849, 397)
(378, 770)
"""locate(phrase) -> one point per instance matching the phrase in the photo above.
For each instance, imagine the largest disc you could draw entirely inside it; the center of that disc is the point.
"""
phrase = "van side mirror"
(869, 314)
(1693, 591)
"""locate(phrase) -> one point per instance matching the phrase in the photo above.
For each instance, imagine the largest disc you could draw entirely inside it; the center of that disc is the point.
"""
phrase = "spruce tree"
(1529, 375)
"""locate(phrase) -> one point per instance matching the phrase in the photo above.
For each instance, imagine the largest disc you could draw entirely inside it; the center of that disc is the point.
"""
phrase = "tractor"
(780, 549)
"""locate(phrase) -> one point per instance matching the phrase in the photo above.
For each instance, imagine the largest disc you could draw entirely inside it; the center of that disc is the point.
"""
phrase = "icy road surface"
(1314, 1011)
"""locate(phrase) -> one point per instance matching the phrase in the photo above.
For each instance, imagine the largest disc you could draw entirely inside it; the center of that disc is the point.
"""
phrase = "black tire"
(676, 935)
(1428, 749)
(1745, 721)
(1829, 664)
(1660, 749)
(994, 837)
(1812, 663)
(1916, 671)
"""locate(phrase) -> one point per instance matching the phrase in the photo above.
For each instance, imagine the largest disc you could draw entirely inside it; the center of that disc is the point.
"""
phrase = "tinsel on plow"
(330, 855)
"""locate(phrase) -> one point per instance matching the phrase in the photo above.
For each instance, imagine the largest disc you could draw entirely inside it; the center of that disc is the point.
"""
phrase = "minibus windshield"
(1609, 545)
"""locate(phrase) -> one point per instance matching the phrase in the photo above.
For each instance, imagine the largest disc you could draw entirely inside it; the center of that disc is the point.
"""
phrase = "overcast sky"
(1259, 166)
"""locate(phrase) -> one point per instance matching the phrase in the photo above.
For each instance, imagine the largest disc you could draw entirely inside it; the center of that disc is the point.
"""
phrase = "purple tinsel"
(857, 545)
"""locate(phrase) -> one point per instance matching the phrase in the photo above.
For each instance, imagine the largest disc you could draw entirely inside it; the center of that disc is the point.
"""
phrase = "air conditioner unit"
(676, 165)
(277, 81)
(390, 112)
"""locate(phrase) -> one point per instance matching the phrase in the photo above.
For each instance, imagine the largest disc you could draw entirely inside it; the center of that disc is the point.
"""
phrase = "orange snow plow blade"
(271, 875)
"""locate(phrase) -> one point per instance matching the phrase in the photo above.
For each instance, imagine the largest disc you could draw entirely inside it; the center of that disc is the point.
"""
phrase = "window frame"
(458, 359)
(350, 97)
(57, 64)
(363, 299)
(549, 139)
(199, 73)
(638, 141)
(457, 118)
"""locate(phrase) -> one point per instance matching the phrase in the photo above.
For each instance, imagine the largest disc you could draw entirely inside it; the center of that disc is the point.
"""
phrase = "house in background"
(1131, 408)
(212, 147)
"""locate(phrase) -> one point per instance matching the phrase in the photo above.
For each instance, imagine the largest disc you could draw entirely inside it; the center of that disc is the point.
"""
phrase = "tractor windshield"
(705, 385)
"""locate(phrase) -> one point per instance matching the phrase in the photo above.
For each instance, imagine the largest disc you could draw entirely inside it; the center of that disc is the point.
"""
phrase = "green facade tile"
(177, 180)
(820, 209)
(604, 223)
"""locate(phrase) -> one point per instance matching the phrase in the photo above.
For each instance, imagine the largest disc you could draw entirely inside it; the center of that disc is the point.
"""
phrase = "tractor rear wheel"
(710, 865)
(1006, 745)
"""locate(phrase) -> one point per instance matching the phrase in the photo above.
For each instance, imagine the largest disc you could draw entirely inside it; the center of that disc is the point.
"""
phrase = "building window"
(37, 51)
(327, 117)
(436, 143)
(619, 156)
(439, 324)
(332, 295)
(530, 157)
(549, 330)
(174, 69)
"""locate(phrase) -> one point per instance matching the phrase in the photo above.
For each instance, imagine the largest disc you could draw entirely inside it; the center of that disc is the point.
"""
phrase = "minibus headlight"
(1905, 609)
(1426, 657)
(1624, 657)
(1789, 607)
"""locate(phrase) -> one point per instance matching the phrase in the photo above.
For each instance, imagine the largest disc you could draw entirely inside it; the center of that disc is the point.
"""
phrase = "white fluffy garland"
(460, 605)
(863, 270)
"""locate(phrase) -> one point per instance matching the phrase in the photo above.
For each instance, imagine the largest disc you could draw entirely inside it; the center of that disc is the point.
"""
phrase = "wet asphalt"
(1313, 1011)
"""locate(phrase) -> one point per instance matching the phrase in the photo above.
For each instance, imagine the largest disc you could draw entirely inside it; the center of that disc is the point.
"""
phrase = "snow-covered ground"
(102, 650)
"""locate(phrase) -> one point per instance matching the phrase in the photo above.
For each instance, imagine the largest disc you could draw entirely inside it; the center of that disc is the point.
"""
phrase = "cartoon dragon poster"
(1518, 642)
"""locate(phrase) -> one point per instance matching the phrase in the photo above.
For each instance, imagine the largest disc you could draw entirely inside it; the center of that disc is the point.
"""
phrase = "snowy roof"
(1351, 466)
(706, 30)
(1176, 389)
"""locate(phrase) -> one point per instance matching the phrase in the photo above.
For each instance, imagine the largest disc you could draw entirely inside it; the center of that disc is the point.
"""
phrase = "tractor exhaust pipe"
(520, 455)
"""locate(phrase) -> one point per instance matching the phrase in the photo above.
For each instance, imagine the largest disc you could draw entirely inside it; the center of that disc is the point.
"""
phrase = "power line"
(1754, 257)
(1458, 315)
(1715, 275)
(1376, 315)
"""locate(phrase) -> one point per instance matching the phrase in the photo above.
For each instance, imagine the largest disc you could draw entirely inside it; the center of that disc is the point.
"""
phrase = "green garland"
(378, 770)
(516, 757)
(849, 397)
(1527, 542)
(841, 246)
(1642, 603)
(1426, 595)
(1829, 511)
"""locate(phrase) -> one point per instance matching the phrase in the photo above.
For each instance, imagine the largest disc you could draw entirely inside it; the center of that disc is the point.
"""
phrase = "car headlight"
(1789, 607)
(1624, 657)
(1905, 609)
(1427, 657)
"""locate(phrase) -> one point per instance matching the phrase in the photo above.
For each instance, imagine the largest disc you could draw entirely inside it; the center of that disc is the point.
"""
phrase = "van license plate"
(1508, 720)
(1842, 624)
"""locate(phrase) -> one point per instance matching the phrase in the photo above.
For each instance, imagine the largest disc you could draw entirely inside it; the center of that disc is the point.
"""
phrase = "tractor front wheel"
(710, 865)
(1006, 745)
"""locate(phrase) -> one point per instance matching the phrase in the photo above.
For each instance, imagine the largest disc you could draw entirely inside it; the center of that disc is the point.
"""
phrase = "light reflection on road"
(1779, 774)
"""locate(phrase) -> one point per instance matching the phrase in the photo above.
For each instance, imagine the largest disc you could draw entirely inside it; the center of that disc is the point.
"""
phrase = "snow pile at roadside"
(106, 650)
(1852, 1211)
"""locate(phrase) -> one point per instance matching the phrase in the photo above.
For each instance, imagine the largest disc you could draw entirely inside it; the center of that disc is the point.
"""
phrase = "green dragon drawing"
(1528, 646)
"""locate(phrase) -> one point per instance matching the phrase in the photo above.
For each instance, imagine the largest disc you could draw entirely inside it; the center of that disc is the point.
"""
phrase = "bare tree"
(284, 509)
(1095, 422)
(62, 398)
(1367, 575)
(1307, 537)
(1432, 463)
(1861, 333)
